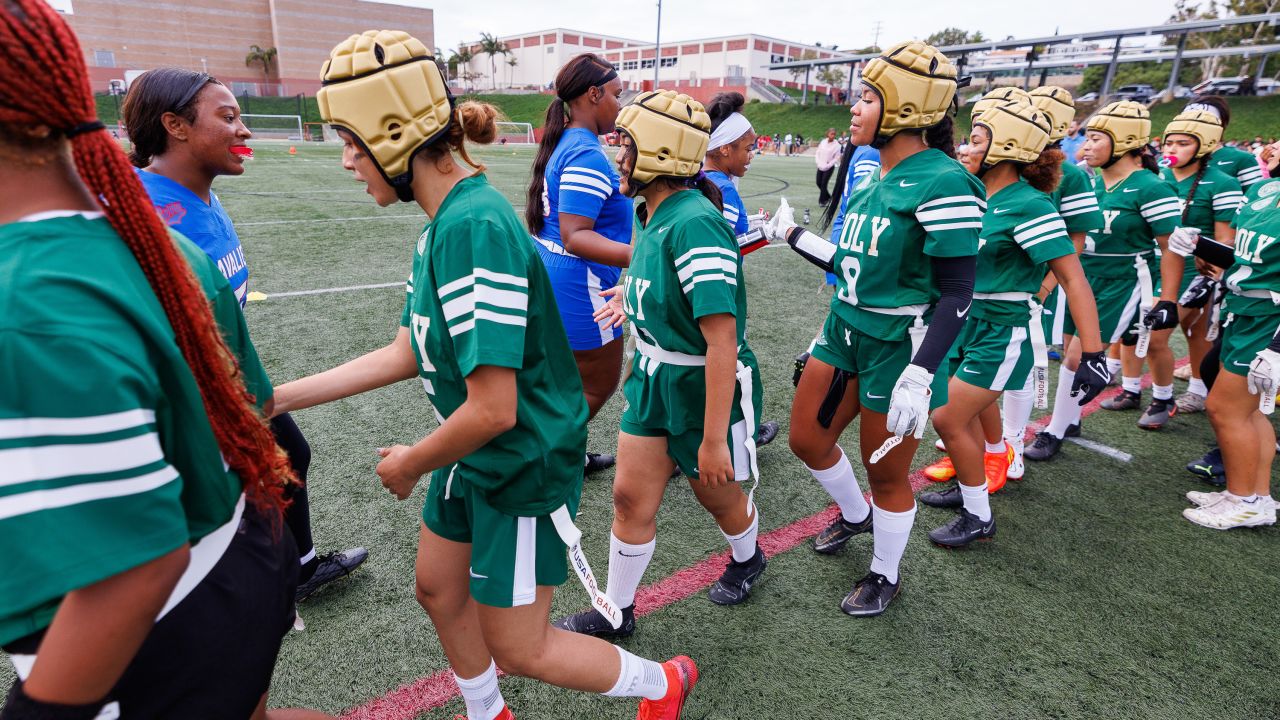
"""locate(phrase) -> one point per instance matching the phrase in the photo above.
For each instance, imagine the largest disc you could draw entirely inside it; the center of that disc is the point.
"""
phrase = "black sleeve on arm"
(1275, 342)
(954, 278)
(1215, 253)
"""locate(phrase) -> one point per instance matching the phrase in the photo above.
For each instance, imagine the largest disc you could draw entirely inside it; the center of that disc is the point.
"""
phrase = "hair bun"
(479, 121)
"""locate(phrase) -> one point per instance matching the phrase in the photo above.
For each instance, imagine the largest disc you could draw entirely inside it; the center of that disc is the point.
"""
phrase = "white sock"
(1196, 385)
(1016, 405)
(842, 485)
(891, 530)
(638, 678)
(1113, 366)
(1066, 411)
(994, 448)
(1162, 392)
(627, 564)
(1131, 384)
(744, 545)
(977, 500)
(481, 694)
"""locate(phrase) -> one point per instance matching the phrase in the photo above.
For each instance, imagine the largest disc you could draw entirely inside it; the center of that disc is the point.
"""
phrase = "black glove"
(1163, 316)
(1199, 292)
(1091, 377)
(19, 706)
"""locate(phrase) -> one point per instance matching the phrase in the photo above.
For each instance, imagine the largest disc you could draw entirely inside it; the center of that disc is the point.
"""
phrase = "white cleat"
(939, 444)
(1202, 499)
(1017, 468)
(1228, 513)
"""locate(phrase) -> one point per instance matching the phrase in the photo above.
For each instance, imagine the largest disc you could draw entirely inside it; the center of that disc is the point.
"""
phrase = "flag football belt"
(1145, 292)
(204, 554)
(660, 355)
(1039, 346)
(916, 332)
(571, 536)
(554, 248)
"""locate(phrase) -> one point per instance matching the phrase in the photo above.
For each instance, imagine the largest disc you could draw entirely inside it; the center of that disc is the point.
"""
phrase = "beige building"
(121, 38)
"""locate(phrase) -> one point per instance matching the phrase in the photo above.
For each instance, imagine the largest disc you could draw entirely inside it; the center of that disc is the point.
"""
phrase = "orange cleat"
(506, 714)
(997, 468)
(682, 675)
(941, 471)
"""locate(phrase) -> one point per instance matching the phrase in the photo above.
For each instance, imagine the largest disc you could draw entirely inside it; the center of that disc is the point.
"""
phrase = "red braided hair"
(45, 83)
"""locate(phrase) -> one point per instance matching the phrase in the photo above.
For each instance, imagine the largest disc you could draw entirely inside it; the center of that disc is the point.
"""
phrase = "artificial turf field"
(1096, 599)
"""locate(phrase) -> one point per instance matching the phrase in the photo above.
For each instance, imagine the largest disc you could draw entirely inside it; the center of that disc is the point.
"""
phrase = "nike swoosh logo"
(1237, 363)
(1206, 182)
(970, 370)
(877, 397)
(904, 183)
(1004, 210)
(663, 229)
(961, 313)
(630, 554)
(1129, 190)
(477, 576)
(1225, 162)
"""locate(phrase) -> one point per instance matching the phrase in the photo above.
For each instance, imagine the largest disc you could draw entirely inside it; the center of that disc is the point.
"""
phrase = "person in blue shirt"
(856, 163)
(185, 130)
(1072, 143)
(581, 222)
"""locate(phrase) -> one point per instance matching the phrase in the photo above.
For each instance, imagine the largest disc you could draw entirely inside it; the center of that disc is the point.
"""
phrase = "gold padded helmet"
(1019, 132)
(669, 132)
(1203, 126)
(1058, 104)
(1127, 123)
(383, 87)
(916, 84)
(997, 97)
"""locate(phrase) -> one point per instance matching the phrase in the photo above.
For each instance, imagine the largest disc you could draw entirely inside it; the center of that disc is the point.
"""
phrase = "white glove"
(1264, 379)
(909, 402)
(756, 221)
(1182, 241)
(776, 229)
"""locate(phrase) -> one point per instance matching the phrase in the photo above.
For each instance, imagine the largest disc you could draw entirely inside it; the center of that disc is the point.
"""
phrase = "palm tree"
(265, 57)
(459, 61)
(511, 63)
(491, 46)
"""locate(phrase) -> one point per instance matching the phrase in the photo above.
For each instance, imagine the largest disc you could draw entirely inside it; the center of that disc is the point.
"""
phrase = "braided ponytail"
(46, 85)
(1195, 184)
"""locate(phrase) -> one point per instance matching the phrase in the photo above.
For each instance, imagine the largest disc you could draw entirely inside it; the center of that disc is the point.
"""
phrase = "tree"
(460, 58)
(1232, 36)
(264, 57)
(954, 36)
(492, 46)
(831, 76)
(512, 62)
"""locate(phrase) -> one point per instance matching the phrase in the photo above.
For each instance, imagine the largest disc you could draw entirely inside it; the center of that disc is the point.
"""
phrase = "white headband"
(733, 127)
(1203, 108)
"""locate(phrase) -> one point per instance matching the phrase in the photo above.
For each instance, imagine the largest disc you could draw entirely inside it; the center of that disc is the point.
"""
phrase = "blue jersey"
(580, 180)
(206, 224)
(734, 211)
(865, 161)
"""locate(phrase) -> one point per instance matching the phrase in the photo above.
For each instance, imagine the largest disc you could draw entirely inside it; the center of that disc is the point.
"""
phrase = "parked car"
(1137, 93)
(1219, 86)
(1088, 97)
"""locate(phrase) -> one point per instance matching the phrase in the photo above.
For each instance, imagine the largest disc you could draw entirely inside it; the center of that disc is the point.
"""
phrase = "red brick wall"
(592, 42)
(712, 47)
(762, 45)
(688, 49)
(572, 40)
(736, 45)
(549, 38)
(646, 53)
(611, 44)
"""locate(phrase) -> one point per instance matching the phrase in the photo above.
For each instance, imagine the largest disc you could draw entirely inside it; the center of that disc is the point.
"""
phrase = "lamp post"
(657, 48)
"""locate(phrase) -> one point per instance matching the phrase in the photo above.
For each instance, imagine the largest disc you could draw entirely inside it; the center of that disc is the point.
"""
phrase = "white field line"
(1101, 449)
(325, 291)
(330, 220)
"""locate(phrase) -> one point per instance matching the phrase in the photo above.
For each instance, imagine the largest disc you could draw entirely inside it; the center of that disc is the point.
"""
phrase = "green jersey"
(928, 204)
(1257, 191)
(479, 295)
(1134, 212)
(685, 266)
(1216, 199)
(1237, 163)
(230, 318)
(1076, 202)
(1021, 231)
(1254, 279)
(107, 459)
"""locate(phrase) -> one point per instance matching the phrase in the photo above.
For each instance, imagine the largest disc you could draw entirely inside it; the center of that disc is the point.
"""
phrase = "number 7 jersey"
(928, 205)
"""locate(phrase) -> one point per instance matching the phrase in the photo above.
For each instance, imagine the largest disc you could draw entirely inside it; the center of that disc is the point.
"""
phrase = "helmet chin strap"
(403, 185)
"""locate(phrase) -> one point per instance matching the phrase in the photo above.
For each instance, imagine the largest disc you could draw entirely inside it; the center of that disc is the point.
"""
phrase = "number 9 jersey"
(927, 205)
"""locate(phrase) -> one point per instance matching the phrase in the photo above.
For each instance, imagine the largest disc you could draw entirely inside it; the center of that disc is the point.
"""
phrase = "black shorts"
(212, 656)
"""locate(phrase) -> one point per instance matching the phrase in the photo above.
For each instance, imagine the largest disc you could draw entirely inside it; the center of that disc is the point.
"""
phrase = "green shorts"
(992, 356)
(510, 556)
(877, 363)
(1118, 300)
(1243, 337)
(682, 448)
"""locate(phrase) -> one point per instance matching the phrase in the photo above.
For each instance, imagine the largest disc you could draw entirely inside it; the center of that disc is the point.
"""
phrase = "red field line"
(432, 691)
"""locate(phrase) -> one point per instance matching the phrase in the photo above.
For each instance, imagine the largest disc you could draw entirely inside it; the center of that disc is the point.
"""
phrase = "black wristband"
(20, 706)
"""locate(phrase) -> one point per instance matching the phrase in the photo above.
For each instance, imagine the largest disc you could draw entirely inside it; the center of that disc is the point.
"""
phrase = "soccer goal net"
(320, 132)
(514, 133)
(274, 127)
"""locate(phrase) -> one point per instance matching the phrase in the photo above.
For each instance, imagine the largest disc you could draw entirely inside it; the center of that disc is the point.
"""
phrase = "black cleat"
(734, 585)
(590, 622)
(834, 536)
(595, 462)
(963, 529)
(948, 499)
(330, 567)
(1124, 401)
(1209, 466)
(1044, 447)
(765, 434)
(1072, 431)
(870, 596)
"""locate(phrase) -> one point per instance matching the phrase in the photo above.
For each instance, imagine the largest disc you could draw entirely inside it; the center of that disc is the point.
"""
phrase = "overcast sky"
(853, 26)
